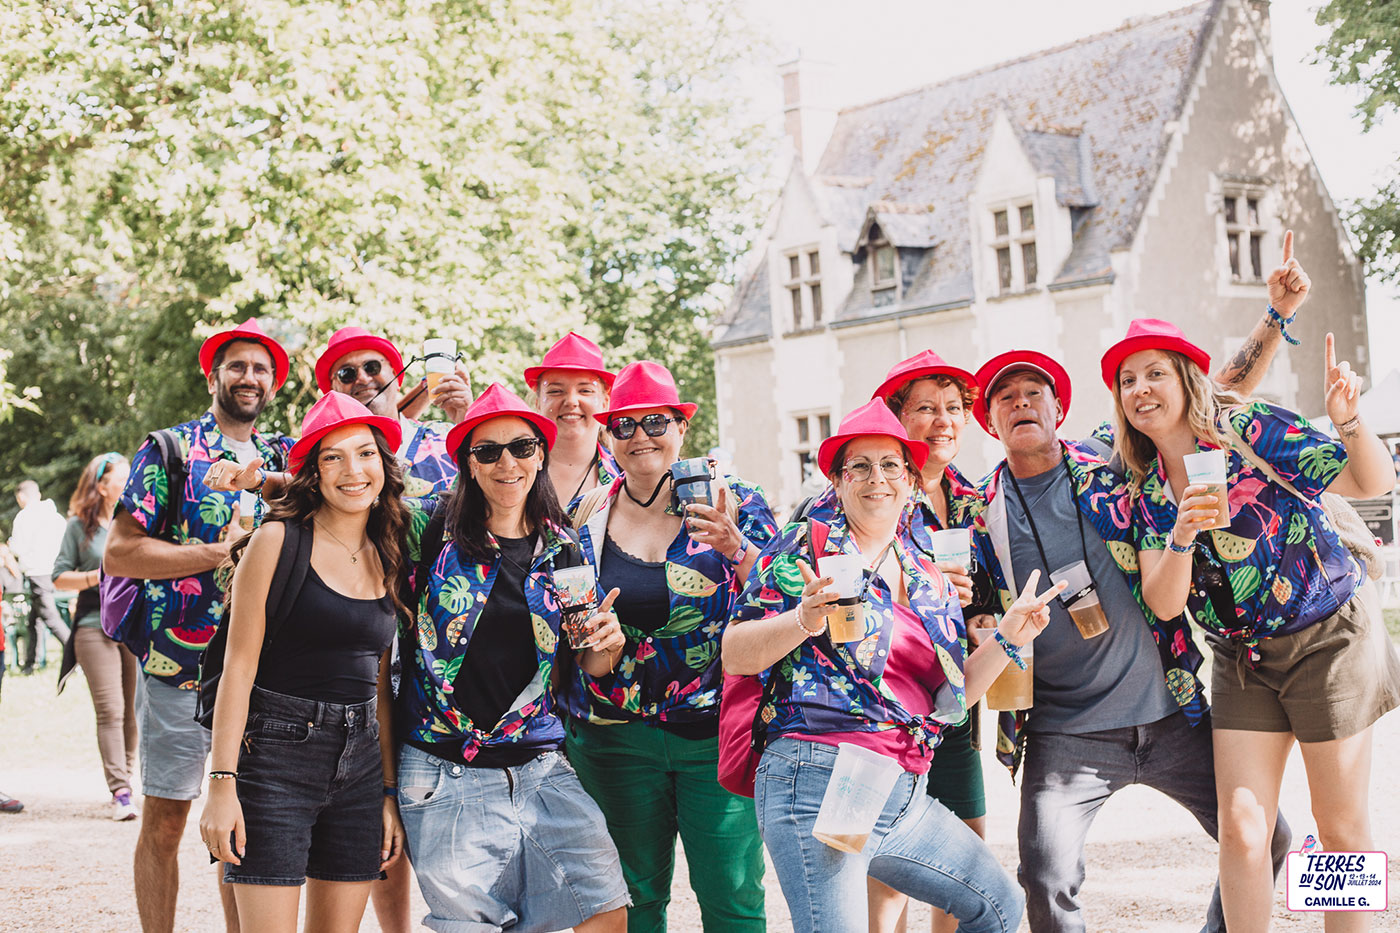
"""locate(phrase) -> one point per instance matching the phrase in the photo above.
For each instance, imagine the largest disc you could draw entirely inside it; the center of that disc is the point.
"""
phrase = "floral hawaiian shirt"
(437, 638)
(1103, 499)
(429, 467)
(184, 613)
(1286, 566)
(673, 674)
(842, 689)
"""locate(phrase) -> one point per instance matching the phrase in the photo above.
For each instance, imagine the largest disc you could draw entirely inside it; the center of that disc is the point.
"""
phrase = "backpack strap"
(288, 578)
(591, 502)
(172, 457)
(803, 510)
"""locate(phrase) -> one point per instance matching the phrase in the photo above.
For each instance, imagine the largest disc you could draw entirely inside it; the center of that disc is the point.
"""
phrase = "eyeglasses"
(654, 425)
(521, 449)
(238, 369)
(858, 471)
(350, 372)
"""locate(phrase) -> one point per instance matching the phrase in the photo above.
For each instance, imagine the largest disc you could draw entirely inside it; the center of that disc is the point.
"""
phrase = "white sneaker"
(122, 807)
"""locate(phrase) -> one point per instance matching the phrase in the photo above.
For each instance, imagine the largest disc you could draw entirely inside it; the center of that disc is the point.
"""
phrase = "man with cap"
(370, 368)
(1115, 708)
(571, 385)
(244, 366)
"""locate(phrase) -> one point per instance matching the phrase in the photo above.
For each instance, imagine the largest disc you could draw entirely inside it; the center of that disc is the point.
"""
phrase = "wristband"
(1011, 651)
(738, 556)
(391, 791)
(1283, 324)
(223, 775)
(262, 478)
(1177, 548)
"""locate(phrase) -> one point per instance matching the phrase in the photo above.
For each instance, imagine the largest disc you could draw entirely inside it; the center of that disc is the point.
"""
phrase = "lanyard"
(1036, 532)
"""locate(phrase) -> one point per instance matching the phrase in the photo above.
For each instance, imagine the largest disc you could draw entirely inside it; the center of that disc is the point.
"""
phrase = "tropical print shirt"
(428, 466)
(436, 640)
(1104, 500)
(838, 687)
(1286, 566)
(673, 674)
(184, 613)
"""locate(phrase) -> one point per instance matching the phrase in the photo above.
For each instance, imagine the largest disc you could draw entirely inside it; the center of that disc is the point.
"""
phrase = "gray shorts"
(522, 848)
(173, 746)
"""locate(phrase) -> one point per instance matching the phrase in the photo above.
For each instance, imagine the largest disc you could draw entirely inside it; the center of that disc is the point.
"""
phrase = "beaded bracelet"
(1177, 548)
(797, 617)
(1283, 324)
(1011, 651)
(223, 775)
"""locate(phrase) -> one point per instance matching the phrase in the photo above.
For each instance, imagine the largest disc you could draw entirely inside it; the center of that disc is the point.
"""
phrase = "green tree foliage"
(498, 171)
(1361, 51)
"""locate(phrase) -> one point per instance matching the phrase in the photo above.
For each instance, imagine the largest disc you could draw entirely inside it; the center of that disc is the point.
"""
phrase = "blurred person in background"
(34, 538)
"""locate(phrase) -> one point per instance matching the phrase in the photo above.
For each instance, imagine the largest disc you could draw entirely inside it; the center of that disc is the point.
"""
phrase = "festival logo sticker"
(1319, 880)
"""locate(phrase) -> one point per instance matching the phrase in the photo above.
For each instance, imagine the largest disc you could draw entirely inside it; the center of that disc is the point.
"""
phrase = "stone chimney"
(1259, 12)
(808, 115)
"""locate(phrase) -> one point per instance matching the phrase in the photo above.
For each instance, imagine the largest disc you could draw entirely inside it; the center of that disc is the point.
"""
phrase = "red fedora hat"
(348, 340)
(248, 330)
(572, 351)
(872, 418)
(1149, 333)
(496, 402)
(645, 384)
(1012, 361)
(336, 410)
(918, 366)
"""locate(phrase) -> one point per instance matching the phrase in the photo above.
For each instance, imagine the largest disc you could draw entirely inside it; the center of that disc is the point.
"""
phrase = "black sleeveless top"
(329, 646)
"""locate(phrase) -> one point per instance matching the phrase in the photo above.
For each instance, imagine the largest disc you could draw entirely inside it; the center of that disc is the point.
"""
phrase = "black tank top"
(329, 646)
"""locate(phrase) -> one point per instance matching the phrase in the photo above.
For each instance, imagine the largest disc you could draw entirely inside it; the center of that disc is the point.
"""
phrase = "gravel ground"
(66, 866)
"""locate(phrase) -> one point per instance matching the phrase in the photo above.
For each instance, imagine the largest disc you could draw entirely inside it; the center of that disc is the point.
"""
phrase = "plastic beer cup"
(1208, 468)
(860, 784)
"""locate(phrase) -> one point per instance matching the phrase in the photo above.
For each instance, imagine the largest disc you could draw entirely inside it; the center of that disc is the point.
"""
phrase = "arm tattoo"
(1242, 362)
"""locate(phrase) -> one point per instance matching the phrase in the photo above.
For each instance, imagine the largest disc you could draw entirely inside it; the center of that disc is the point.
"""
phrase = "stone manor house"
(1042, 203)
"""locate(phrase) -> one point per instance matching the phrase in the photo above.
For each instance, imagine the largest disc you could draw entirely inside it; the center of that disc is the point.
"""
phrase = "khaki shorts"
(1329, 681)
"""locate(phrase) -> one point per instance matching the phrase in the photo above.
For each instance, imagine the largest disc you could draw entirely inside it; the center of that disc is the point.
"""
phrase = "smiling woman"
(311, 703)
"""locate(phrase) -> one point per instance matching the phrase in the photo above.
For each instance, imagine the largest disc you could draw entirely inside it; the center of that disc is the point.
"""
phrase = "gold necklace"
(353, 559)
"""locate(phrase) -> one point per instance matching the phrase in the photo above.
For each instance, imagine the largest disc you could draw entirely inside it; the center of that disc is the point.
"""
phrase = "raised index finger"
(607, 602)
(1331, 353)
(1287, 246)
(807, 575)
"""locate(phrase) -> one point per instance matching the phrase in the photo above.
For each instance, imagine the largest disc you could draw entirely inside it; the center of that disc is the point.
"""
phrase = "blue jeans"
(1068, 778)
(918, 847)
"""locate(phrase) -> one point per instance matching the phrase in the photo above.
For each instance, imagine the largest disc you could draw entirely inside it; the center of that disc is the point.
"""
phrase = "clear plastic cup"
(1014, 688)
(1083, 607)
(1210, 469)
(860, 785)
(578, 600)
(691, 479)
(952, 546)
(247, 509)
(441, 356)
(847, 571)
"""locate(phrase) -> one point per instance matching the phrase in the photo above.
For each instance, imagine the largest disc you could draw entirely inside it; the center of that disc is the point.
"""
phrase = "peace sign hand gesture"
(1289, 285)
(1343, 387)
(1030, 613)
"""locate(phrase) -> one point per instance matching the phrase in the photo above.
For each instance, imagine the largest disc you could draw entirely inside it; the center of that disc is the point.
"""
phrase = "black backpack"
(282, 594)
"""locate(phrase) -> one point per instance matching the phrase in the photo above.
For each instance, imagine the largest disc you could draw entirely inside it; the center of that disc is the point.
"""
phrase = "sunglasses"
(654, 425)
(521, 449)
(350, 372)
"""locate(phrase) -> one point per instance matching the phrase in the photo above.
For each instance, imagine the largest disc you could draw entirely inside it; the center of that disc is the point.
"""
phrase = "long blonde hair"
(1205, 400)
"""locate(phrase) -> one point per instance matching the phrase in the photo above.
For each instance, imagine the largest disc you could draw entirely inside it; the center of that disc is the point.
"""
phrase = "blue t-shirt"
(1083, 685)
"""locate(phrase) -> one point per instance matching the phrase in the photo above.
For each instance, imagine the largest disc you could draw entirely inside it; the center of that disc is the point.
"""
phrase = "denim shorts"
(173, 746)
(522, 848)
(311, 784)
(917, 847)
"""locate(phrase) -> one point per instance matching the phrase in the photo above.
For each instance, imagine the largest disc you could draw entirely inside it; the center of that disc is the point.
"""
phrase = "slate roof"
(1091, 113)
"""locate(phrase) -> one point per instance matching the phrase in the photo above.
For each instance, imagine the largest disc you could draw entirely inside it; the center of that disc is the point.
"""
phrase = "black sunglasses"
(654, 425)
(349, 372)
(521, 449)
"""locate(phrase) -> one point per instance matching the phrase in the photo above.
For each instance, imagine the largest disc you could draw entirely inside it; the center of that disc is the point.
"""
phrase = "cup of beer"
(861, 781)
(847, 571)
(440, 354)
(1014, 688)
(1209, 468)
(1081, 599)
(248, 509)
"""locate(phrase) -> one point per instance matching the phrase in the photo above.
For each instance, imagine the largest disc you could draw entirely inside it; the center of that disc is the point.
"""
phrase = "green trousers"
(652, 785)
